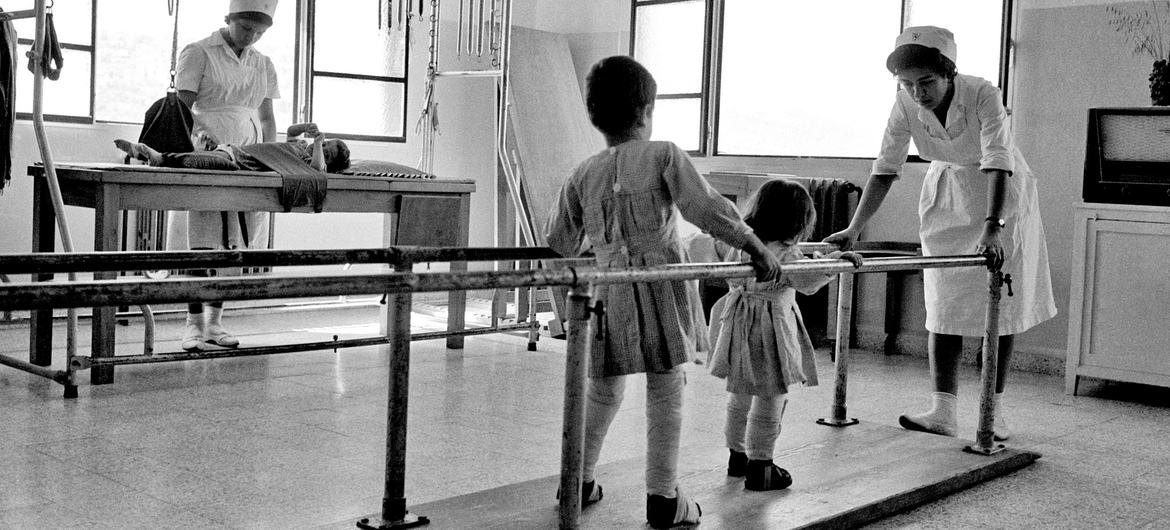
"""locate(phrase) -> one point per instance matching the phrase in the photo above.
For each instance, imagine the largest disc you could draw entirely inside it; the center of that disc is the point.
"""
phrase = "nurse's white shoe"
(220, 337)
(940, 419)
(192, 338)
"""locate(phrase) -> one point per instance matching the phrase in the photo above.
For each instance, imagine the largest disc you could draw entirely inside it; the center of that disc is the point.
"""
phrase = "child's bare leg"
(139, 151)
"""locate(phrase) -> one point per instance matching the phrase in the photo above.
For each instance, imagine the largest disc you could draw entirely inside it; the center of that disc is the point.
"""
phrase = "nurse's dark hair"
(925, 57)
(616, 90)
(250, 16)
(781, 210)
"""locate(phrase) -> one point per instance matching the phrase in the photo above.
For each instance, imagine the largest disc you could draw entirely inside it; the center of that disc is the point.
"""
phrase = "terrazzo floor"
(297, 440)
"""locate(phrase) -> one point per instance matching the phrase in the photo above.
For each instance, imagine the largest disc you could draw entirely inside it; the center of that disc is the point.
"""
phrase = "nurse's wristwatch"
(997, 221)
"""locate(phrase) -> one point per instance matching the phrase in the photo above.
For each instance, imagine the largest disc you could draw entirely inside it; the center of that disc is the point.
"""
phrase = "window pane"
(977, 27)
(338, 37)
(669, 43)
(134, 53)
(679, 121)
(72, 19)
(379, 114)
(810, 93)
(67, 96)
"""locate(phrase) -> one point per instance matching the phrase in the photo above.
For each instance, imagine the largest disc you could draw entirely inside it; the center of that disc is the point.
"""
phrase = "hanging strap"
(50, 54)
(173, 10)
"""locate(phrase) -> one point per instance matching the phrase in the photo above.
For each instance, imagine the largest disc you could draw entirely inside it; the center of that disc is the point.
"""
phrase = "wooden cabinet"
(1119, 301)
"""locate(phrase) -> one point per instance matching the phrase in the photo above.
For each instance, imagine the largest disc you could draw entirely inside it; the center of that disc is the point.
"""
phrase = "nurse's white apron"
(953, 207)
(233, 125)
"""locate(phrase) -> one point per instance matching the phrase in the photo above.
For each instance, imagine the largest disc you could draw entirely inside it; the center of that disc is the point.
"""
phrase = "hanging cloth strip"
(7, 99)
(301, 185)
(51, 54)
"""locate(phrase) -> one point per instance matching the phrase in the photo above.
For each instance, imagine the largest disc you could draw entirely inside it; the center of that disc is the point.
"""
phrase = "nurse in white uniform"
(229, 87)
(979, 196)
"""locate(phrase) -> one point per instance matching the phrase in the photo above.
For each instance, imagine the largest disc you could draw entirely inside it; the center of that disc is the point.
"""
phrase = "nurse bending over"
(978, 196)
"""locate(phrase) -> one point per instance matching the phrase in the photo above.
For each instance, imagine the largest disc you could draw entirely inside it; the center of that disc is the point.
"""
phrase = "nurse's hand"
(990, 246)
(843, 239)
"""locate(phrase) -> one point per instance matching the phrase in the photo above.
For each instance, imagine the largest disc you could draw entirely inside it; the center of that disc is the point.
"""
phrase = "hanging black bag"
(167, 125)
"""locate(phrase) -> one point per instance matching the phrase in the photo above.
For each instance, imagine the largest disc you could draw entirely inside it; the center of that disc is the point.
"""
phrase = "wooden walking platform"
(843, 478)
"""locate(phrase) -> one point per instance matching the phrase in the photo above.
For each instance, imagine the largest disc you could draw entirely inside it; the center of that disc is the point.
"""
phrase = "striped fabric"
(380, 168)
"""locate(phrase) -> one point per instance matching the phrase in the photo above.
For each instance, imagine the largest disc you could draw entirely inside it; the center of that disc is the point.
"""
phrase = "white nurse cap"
(268, 7)
(935, 37)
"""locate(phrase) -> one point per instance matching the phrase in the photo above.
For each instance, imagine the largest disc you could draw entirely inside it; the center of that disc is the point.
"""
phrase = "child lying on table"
(323, 155)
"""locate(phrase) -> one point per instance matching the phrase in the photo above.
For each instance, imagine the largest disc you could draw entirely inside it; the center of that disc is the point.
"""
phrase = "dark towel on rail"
(7, 99)
(301, 184)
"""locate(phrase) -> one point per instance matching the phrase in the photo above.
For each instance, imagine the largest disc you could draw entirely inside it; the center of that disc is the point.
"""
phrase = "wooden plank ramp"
(842, 478)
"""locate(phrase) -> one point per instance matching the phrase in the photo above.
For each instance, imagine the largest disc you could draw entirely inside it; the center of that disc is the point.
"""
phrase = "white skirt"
(953, 209)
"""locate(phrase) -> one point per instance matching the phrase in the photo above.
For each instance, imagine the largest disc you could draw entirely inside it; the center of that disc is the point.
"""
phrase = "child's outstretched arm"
(810, 283)
(298, 129)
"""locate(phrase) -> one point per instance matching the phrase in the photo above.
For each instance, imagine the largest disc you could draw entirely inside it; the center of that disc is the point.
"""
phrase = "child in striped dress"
(759, 342)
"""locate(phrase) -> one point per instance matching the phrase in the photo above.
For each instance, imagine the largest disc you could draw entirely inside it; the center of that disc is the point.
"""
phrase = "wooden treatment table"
(425, 212)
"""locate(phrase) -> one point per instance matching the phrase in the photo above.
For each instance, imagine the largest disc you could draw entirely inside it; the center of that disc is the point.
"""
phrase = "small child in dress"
(625, 202)
(759, 343)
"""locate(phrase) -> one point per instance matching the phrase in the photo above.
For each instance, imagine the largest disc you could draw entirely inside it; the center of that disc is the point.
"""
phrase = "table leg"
(105, 237)
(44, 239)
(457, 300)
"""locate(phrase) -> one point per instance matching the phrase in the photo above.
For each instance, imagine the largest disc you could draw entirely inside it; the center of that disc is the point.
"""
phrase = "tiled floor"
(297, 440)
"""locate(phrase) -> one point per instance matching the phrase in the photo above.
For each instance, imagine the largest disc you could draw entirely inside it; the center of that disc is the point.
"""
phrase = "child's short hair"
(616, 91)
(339, 161)
(781, 210)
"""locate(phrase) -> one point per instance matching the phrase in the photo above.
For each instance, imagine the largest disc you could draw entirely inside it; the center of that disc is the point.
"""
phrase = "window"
(68, 98)
(668, 39)
(357, 95)
(794, 78)
(134, 53)
(118, 56)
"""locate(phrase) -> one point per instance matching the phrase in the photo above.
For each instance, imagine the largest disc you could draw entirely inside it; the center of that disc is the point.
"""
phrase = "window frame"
(706, 127)
(307, 73)
(90, 48)
(302, 107)
(713, 69)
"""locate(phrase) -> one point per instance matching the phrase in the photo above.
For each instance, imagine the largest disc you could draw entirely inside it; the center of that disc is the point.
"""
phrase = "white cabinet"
(1119, 301)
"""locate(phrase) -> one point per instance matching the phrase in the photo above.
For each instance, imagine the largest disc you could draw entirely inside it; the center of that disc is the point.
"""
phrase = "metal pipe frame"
(30, 295)
(985, 433)
(580, 310)
(839, 416)
(42, 263)
(401, 286)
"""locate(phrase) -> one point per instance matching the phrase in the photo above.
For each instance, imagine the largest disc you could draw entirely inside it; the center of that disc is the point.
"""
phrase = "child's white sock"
(764, 425)
(940, 419)
(1002, 432)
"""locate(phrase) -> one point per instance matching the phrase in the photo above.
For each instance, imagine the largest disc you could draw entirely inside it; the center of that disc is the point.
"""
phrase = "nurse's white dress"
(230, 90)
(953, 206)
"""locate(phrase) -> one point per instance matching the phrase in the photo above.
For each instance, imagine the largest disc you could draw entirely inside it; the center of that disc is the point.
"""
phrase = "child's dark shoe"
(590, 493)
(763, 475)
(664, 512)
(736, 463)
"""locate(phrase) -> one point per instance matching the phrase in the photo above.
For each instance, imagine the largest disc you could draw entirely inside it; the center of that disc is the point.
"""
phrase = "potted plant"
(1147, 30)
